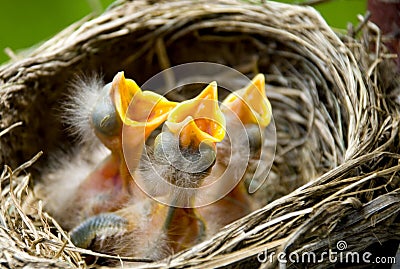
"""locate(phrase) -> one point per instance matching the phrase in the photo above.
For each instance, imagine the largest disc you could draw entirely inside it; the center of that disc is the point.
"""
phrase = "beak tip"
(119, 77)
(259, 77)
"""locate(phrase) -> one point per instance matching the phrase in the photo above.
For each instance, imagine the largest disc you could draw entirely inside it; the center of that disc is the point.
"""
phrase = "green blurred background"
(24, 23)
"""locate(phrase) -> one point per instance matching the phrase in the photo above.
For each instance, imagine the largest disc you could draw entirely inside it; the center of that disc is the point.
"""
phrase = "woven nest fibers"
(335, 176)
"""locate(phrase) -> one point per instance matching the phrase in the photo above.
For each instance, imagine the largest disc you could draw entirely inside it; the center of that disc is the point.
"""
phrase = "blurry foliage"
(338, 13)
(24, 23)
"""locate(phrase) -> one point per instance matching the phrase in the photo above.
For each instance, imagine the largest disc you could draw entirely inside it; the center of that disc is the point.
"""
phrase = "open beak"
(137, 108)
(199, 119)
(250, 104)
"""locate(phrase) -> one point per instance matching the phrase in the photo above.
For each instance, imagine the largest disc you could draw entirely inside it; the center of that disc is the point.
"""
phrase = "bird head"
(104, 119)
(250, 104)
(123, 103)
(198, 120)
(141, 112)
(252, 108)
(193, 128)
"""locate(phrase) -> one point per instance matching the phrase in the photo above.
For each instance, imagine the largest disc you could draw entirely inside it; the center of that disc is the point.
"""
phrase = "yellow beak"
(199, 119)
(139, 108)
(250, 104)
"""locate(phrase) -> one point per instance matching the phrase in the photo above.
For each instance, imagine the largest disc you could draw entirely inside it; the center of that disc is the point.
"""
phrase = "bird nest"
(334, 183)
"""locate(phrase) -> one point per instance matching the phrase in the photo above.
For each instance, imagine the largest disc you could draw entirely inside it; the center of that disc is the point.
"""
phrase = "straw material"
(334, 97)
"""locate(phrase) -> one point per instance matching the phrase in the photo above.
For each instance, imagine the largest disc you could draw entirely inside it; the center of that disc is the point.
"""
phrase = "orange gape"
(190, 119)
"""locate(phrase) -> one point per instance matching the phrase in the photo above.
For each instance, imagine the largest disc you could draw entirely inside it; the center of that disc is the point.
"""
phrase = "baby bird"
(121, 108)
(147, 228)
(248, 109)
(185, 151)
(184, 154)
(247, 112)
